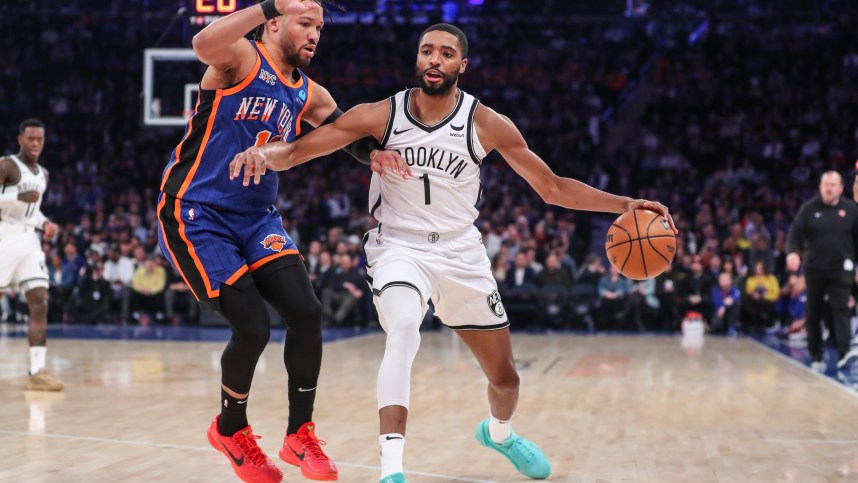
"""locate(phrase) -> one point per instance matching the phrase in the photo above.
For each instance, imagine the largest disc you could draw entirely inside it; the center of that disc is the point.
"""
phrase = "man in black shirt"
(342, 291)
(825, 231)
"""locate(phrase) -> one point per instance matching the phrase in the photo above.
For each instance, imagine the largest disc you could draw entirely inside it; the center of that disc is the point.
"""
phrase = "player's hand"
(293, 7)
(383, 162)
(28, 196)
(793, 261)
(50, 230)
(253, 161)
(656, 207)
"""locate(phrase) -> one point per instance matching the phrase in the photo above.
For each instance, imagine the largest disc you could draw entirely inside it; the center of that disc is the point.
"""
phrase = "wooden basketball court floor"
(604, 409)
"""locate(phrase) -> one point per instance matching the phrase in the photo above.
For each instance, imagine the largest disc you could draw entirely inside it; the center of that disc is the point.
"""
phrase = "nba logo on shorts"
(495, 304)
(274, 242)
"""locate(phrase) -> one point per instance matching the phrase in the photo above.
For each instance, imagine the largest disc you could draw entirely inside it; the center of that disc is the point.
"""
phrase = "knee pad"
(400, 311)
(305, 315)
(286, 286)
(247, 316)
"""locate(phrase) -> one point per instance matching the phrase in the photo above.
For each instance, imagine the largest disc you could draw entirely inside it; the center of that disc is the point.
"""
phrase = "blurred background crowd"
(726, 111)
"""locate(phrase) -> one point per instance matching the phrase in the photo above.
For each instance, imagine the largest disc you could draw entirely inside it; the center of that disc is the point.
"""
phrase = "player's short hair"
(256, 33)
(451, 29)
(32, 122)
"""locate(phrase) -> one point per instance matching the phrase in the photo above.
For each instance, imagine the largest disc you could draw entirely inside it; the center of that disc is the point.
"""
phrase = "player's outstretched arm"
(323, 110)
(222, 46)
(360, 121)
(498, 132)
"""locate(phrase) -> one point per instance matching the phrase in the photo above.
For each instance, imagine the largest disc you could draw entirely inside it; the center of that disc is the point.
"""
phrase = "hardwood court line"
(201, 448)
(550, 366)
(807, 369)
(813, 441)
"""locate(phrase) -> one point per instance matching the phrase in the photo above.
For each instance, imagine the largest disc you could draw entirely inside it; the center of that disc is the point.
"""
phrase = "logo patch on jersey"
(433, 237)
(302, 95)
(191, 214)
(495, 304)
(274, 242)
(267, 77)
(457, 128)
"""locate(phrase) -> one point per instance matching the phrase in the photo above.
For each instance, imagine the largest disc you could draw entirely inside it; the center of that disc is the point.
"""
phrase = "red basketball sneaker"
(247, 459)
(302, 449)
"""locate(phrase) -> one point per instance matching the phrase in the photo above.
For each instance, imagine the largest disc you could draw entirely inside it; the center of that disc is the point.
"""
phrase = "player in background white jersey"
(22, 188)
(426, 245)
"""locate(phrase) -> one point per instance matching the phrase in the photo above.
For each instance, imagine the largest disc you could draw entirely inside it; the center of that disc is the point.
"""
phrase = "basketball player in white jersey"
(22, 187)
(426, 245)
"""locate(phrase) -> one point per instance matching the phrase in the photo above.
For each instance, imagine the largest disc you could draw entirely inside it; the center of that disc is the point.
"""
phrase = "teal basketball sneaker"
(524, 455)
(394, 478)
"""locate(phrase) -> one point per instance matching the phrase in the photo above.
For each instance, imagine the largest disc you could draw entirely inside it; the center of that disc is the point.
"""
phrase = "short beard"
(441, 90)
(293, 57)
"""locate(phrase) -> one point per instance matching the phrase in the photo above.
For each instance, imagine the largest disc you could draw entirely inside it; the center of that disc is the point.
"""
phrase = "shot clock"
(204, 12)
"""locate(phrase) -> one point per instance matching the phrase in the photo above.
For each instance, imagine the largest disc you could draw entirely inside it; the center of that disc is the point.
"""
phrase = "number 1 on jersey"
(262, 137)
(425, 179)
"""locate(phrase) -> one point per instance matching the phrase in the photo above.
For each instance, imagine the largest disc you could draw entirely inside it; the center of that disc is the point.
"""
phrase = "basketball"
(640, 244)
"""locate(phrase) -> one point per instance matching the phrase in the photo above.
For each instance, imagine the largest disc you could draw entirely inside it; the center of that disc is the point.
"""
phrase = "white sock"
(38, 354)
(499, 430)
(390, 448)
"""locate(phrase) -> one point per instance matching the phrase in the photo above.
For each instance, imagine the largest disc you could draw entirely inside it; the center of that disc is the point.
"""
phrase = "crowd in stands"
(740, 123)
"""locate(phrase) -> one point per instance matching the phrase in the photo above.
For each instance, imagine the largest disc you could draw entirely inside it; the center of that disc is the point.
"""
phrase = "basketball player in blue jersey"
(426, 245)
(228, 242)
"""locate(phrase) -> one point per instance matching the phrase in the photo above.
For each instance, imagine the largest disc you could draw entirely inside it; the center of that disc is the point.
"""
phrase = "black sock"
(300, 405)
(233, 414)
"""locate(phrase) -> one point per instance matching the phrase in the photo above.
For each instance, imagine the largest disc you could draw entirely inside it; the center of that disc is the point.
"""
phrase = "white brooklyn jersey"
(445, 158)
(20, 213)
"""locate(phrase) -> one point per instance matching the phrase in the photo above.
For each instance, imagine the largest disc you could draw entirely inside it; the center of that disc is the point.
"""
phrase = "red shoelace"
(247, 442)
(311, 443)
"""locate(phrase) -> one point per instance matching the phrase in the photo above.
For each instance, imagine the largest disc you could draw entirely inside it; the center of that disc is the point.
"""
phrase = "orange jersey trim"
(193, 251)
(179, 147)
(280, 75)
(262, 261)
(310, 85)
(167, 244)
(235, 276)
(202, 148)
(247, 80)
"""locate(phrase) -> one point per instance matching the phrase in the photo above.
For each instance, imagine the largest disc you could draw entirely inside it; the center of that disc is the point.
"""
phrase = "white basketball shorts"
(21, 259)
(452, 270)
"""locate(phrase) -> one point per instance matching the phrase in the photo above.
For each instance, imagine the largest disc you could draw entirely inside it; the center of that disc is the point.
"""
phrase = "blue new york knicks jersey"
(262, 108)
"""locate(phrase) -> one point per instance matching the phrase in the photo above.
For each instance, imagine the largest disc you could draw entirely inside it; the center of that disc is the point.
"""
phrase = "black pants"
(837, 285)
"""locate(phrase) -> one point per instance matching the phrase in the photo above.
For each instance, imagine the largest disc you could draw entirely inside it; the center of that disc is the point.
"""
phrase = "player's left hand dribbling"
(253, 161)
(656, 207)
(50, 230)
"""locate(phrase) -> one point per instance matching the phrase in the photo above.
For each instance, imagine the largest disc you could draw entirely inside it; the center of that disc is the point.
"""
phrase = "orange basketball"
(640, 244)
